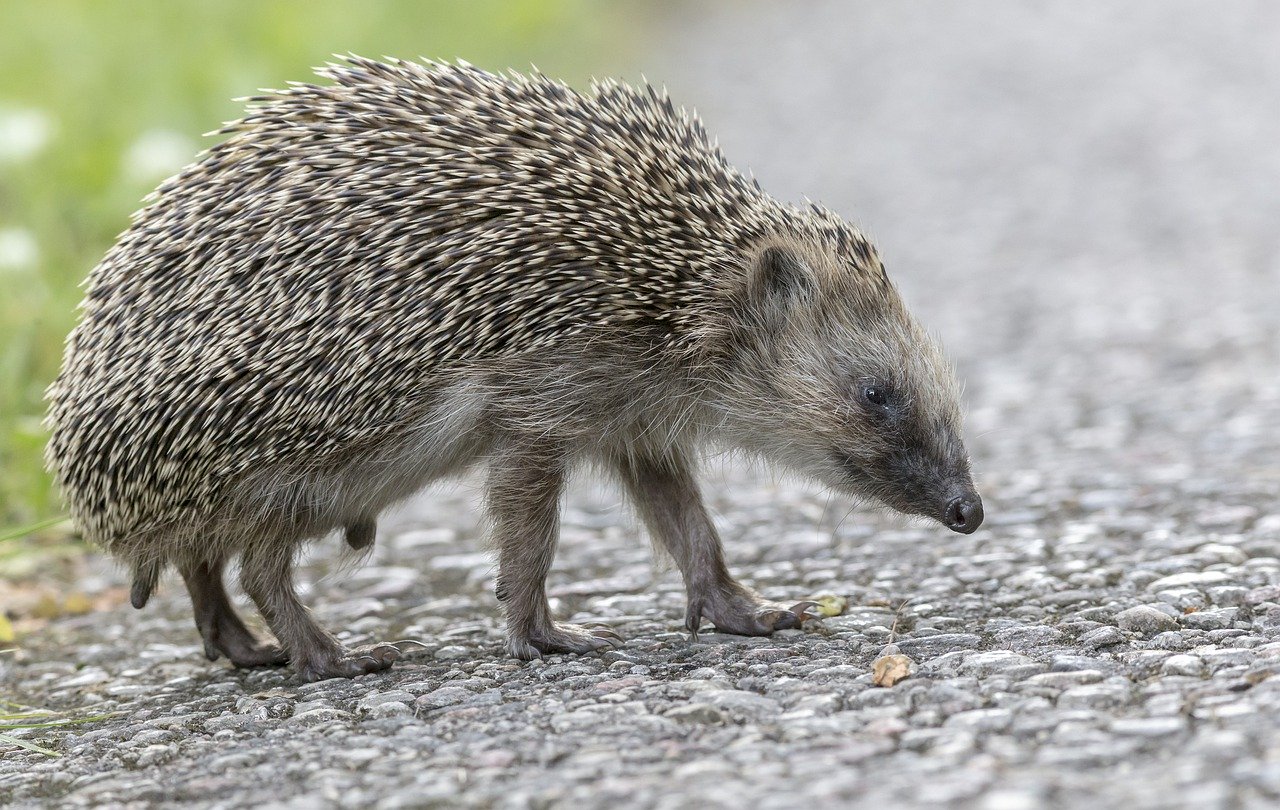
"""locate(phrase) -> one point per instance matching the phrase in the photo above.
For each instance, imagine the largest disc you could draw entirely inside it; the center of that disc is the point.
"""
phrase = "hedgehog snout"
(963, 513)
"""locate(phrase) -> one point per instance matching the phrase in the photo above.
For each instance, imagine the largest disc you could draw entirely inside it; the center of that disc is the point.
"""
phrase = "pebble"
(1210, 619)
(1159, 728)
(1146, 620)
(444, 696)
(699, 713)
(1198, 579)
(932, 646)
(1189, 665)
(1102, 637)
(316, 717)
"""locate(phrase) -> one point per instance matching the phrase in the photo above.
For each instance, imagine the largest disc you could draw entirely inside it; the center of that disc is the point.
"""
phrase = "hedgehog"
(412, 269)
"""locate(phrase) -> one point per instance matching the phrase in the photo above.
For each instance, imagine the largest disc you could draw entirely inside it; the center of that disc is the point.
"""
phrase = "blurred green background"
(99, 101)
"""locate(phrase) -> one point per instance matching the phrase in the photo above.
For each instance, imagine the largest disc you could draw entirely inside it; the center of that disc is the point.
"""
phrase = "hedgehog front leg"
(666, 495)
(524, 488)
(220, 626)
(266, 571)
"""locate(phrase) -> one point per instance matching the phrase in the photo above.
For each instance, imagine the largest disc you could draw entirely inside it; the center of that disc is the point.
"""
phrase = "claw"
(409, 641)
(602, 631)
(780, 619)
(562, 638)
(806, 610)
(694, 620)
(733, 608)
(351, 663)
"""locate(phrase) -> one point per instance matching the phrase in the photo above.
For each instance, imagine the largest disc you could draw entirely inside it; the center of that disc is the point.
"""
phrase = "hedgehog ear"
(778, 281)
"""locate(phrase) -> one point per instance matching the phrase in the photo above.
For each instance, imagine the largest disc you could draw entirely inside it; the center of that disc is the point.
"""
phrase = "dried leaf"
(7, 636)
(829, 605)
(77, 604)
(46, 607)
(889, 669)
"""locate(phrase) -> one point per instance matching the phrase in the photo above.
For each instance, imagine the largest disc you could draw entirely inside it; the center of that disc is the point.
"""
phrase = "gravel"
(1081, 199)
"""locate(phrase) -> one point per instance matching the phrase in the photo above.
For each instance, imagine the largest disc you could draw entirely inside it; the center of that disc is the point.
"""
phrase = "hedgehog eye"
(875, 395)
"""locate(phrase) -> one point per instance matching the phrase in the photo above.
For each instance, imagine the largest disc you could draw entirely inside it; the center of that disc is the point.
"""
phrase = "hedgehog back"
(296, 291)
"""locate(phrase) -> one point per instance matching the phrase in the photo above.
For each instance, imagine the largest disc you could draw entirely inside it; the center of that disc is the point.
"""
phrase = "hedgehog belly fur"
(310, 497)
(283, 503)
(604, 398)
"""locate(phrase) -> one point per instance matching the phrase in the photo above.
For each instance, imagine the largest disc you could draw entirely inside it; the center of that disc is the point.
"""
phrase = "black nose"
(964, 514)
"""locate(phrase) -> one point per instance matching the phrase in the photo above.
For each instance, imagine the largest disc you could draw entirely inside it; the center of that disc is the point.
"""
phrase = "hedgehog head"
(833, 378)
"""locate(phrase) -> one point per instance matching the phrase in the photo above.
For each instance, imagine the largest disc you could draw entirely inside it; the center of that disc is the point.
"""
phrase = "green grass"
(19, 718)
(82, 83)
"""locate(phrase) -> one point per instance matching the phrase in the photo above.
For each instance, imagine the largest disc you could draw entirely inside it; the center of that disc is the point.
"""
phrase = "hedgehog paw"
(740, 611)
(350, 663)
(563, 638)
(257, 654)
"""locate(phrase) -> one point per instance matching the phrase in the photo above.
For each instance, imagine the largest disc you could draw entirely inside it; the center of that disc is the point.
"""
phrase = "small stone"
(391, 708)
(1223, 553)
(1198, 579)
(154, 754)
(1266, 593)
(360, 757)
(1102, 637)
(995, 662)
(1002, 799)
(1152, 727)
(1094, 696)
(452, 652)
(1146, 620)
(1170, 641)
(1227, 595)
(697, 713)
(739, 703)
(1062, 680)
(930, 646)
(228, 721)
(444, 696)
(316, 717)
(1075, 663)
(1183, 599)
(1211, 619)
(981, 720)
(1228, 657)
(1028, 638)
(371, 701)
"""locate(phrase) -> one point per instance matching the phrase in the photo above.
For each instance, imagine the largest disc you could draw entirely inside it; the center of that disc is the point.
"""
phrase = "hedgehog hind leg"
(221, 628)
(266, 572)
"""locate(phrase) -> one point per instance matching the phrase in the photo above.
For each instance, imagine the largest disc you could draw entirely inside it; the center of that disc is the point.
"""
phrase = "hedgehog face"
(833, 378)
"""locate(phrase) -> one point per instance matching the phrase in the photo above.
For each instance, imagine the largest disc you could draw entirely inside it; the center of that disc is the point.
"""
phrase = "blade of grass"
(23, 531)
(5, 739)
(16, 551)
(65, 721)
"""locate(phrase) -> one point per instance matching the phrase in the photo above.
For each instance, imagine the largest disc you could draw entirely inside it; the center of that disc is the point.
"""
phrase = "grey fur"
(380, 282)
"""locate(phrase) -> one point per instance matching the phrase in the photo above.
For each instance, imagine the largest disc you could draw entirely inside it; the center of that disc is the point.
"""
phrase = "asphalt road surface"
(1082, 199)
